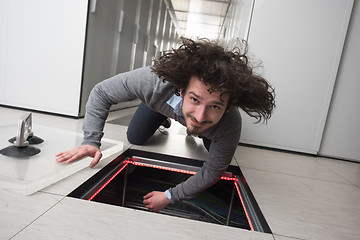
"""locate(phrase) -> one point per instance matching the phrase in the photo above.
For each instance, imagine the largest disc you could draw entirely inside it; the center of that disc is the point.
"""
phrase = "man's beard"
(195, 130)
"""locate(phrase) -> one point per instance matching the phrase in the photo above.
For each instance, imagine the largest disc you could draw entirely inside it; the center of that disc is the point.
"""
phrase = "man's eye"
(215, 107)
(194, 99)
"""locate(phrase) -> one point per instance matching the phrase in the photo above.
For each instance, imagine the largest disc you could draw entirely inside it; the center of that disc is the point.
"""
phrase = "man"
(201, 85)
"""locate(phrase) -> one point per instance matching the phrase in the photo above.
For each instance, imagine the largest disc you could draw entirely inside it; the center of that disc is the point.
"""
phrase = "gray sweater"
(145, 85)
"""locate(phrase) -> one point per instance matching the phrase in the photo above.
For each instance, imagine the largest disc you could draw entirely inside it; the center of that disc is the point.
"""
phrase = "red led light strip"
(236, 181)
(172, 169)
(108, 181)
(159, 167)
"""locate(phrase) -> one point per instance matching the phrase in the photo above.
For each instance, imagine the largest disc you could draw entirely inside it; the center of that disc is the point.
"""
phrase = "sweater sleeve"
(138, 84)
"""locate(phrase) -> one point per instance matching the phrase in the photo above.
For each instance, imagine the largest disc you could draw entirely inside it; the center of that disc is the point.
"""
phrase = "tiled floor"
(301, 197)
(304, 197)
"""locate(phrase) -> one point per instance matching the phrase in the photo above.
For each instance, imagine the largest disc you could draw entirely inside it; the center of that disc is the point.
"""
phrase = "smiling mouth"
(196, 123)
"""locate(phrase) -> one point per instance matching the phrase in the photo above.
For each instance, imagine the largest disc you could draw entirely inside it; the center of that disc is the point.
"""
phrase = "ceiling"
(200, 18)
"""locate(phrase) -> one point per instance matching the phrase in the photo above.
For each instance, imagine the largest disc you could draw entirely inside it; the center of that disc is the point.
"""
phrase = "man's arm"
(120, 88)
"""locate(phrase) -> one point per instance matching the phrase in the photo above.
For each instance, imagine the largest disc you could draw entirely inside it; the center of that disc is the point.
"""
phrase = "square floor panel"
(30, 174)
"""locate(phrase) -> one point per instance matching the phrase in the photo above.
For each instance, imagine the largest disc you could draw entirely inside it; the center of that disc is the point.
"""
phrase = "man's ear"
(182, 92)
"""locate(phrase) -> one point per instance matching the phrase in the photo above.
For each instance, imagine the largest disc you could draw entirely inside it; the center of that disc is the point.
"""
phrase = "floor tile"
(285, 163)
(347, 170)
(30, 174)
(68, 184)
(277, 237)
(16, 212)
(306, 208)
(80, 219)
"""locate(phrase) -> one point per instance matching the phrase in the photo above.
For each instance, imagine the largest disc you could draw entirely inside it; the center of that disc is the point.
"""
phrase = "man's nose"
(200, 114)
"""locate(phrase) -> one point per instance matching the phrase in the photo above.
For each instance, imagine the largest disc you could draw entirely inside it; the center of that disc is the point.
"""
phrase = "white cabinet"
(300, 44)
(42, 50)
(342, 132)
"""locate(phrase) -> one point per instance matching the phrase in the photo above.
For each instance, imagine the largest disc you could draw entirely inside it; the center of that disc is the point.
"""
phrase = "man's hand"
(156, 201)
(80, 152)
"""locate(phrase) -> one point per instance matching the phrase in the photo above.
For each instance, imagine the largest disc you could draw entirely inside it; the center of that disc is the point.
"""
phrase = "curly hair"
(226, 71)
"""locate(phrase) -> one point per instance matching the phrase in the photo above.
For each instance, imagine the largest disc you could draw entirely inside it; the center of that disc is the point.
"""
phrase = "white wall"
(300, 44)
(42, 48)
(237, 21)
(3, 43)
(342, 133)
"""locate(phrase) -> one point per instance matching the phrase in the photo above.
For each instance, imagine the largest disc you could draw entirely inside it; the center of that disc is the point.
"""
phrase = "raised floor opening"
(133, 174)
